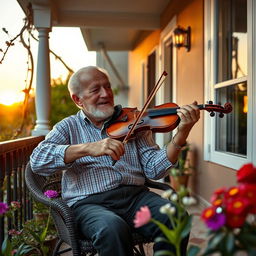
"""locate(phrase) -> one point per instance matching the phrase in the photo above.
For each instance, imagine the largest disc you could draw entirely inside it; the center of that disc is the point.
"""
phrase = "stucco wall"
(136, 57)
(190, 87)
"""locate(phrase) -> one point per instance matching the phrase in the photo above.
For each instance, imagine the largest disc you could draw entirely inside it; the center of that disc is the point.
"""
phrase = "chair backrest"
(61, 213)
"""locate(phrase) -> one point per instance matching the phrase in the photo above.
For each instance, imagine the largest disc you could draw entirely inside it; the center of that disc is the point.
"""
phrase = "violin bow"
(150, 97)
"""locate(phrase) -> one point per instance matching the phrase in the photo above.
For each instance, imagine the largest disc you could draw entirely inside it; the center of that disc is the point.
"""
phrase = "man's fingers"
(114, 148)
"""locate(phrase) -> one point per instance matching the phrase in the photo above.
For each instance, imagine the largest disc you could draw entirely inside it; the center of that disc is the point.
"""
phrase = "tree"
(61, 102)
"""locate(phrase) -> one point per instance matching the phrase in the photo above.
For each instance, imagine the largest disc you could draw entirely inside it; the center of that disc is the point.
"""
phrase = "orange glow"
(8, 98)
(245, 109)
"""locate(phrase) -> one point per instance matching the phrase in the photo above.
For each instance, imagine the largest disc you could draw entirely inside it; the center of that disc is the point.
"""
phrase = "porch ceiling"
(117, 24)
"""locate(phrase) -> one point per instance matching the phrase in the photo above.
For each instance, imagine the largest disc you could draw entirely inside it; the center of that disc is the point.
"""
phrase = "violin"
(162, 118)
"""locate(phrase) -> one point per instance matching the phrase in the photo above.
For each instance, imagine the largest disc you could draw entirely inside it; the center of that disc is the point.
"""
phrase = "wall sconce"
(182, 37)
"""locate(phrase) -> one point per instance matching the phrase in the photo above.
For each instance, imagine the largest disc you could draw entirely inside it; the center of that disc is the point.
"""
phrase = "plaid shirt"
(89, 175)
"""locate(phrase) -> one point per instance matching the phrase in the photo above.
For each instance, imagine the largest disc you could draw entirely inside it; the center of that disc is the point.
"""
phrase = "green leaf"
(43, 234)
(163, 253)
(34, 234)
(230, 242)
(23, 250)
(170, 234)
(249, 238)
(213, 243)
(6, 247)
(186, 227)
(161, 239)
(193, 250)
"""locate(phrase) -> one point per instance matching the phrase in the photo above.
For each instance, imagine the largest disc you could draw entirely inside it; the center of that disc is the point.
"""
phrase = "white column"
(42, 22)
(43, 88)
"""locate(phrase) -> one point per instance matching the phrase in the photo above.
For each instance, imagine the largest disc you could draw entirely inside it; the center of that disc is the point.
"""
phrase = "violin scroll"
(212, 108)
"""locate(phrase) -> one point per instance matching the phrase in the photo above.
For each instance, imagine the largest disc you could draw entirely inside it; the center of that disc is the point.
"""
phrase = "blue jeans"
(107, 219)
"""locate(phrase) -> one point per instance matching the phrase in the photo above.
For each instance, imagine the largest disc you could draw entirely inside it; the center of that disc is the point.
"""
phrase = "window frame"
(233, 161)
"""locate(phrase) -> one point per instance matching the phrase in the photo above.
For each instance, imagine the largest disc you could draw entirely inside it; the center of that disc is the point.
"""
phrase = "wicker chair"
(63, 215)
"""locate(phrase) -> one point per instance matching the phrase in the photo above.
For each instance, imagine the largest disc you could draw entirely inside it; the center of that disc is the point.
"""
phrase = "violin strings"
(152, 94)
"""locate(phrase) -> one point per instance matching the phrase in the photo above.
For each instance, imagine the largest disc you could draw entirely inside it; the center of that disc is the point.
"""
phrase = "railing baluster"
(2, 175)
(9, 184)
(14, 156)
(15, 185)
(20, 187)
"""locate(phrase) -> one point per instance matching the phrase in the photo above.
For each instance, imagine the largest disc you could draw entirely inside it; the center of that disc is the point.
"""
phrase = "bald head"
(82, 77)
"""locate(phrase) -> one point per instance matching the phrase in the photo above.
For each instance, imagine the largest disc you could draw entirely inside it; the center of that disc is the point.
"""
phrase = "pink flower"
(142, 217)
(51, 193)
(15, 204)
(3, 208)
(14, 232)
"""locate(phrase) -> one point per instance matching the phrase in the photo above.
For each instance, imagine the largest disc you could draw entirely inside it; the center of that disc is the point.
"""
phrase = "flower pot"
(49, 243)
(178, 181)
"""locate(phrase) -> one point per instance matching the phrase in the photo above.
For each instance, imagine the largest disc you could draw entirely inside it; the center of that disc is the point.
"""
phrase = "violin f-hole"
(140, 122)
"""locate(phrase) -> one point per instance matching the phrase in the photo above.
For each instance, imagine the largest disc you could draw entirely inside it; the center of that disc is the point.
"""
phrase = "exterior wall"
(189, 87)
(136, 57)
(120, 61)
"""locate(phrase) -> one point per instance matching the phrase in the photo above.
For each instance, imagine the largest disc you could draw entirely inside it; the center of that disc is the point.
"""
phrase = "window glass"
(231, 31)
(231, 130)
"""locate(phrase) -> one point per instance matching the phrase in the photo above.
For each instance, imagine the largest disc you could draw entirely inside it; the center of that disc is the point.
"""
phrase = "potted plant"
(37, 236)
(179, 175)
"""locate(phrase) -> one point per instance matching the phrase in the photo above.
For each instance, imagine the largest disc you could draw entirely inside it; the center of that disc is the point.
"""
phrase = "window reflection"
(232, 39)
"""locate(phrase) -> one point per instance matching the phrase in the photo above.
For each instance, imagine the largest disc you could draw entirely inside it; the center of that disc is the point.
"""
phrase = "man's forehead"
(100, 80)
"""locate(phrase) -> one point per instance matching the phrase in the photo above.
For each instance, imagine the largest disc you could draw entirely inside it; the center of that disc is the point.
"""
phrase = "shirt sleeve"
(48, 156)
(153, 159)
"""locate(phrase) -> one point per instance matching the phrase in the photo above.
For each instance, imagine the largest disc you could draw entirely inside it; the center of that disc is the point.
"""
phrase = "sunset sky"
(65, 42)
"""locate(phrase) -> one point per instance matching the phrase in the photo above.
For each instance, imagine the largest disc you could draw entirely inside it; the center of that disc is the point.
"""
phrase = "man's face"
(97, 97)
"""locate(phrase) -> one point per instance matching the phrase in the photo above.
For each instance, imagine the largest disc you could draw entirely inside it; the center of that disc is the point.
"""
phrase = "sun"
(10, 97)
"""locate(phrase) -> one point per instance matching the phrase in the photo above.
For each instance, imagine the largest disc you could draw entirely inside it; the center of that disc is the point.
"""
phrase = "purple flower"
(51, 193)
(216, 221)
(3, 208)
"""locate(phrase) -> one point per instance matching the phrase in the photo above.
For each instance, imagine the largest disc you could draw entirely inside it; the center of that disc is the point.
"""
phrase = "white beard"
(101, 115)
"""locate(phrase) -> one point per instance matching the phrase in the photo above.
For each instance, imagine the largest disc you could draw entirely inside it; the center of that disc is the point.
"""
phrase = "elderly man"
(103, 196)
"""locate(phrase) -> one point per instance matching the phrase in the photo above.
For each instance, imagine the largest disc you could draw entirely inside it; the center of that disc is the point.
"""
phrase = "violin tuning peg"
(212, 114)
(221, 115)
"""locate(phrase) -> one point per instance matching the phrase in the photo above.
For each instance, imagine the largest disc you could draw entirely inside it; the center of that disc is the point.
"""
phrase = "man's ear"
(77, 100)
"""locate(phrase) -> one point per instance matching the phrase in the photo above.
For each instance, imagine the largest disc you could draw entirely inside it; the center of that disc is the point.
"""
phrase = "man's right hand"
(111, 147)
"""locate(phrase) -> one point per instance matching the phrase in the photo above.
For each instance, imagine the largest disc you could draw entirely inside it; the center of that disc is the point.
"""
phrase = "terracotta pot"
(177, 181)
(49, 243)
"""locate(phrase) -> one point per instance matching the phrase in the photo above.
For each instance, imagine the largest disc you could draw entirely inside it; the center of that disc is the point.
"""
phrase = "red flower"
(220, 191)
(247, 174)
(232, 192)
(208, 213)
(218, 194)
(249, 191)
(235, 221)
(217, 202)
(238, 205)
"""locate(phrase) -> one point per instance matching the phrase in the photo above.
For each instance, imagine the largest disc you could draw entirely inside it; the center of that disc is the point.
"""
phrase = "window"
(226, 76)
(231, 64)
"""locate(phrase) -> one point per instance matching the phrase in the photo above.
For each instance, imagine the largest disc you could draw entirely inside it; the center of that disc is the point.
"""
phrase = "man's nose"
(104, 92)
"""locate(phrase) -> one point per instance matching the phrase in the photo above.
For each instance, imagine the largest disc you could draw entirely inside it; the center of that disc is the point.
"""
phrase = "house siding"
(189, 87)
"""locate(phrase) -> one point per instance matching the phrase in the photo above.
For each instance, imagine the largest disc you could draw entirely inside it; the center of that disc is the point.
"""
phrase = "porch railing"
(14, 155)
